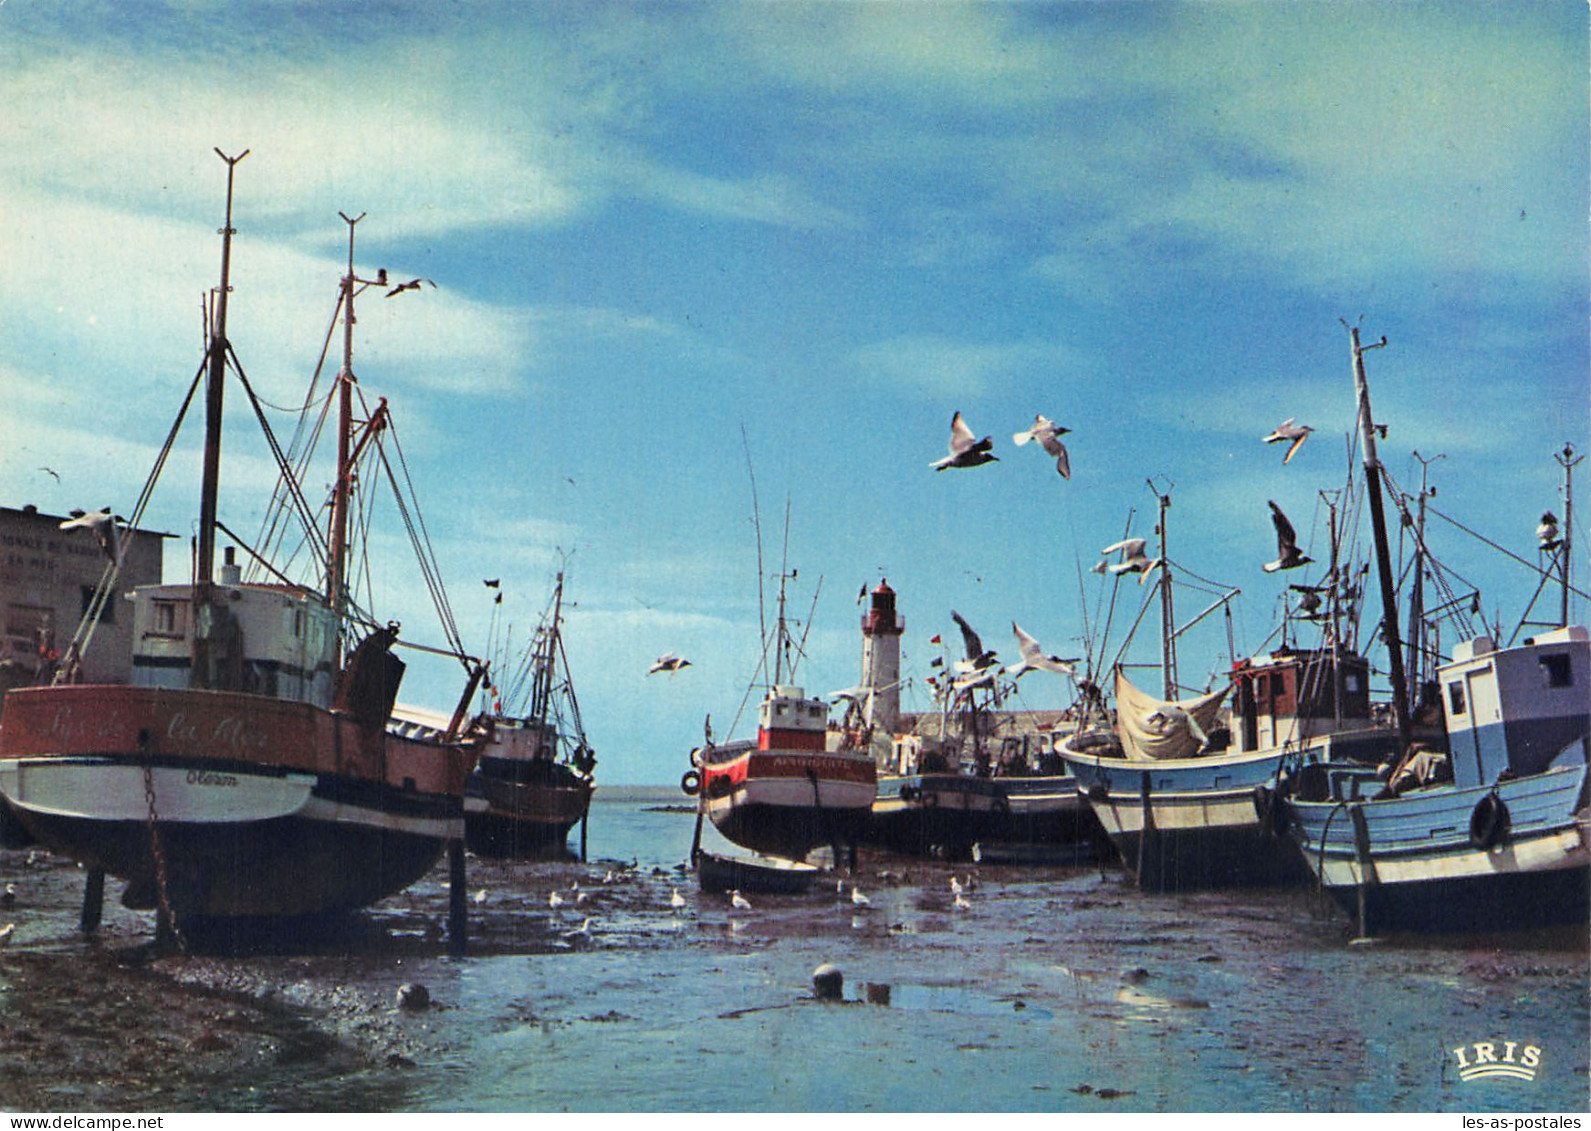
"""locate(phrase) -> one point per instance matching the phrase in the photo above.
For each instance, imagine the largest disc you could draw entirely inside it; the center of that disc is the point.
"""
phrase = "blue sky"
(656, 226)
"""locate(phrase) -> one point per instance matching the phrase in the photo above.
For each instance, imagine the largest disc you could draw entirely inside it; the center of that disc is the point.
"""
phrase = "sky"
(681, 248)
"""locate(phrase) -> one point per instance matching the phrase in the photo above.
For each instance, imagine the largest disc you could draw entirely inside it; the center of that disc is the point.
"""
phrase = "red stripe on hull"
(222, 726)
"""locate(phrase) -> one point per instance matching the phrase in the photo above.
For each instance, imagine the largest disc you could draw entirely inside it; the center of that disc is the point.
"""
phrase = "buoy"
(828, 983)
(412, 995)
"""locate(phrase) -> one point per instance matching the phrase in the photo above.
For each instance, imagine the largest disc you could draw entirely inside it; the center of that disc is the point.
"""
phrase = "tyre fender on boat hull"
(1489, 823)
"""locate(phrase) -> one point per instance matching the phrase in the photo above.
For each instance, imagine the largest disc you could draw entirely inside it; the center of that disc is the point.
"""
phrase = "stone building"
(47, 581)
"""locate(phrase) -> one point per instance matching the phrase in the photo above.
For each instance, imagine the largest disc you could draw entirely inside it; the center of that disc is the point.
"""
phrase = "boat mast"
(1416, 641)
(1567, 460)
(214, 384)
(541, 693)
(1378, 523)
(336, 566)
(1168, 624)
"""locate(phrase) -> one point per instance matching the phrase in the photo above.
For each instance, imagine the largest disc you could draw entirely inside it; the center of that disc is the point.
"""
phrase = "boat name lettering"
(232, 732)
(798, 765)
(205, 777)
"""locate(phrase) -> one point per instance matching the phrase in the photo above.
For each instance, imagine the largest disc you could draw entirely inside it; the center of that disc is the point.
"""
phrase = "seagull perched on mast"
(1048, 434)
(1288, 432)
(1133, 559)
(1288, 556)
(966, 450)
(1033, 657)
(101, 524)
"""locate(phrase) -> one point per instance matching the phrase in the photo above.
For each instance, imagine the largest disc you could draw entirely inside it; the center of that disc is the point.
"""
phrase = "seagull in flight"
(966, 450)
(1288, 555)
(981, 665)
(1133, 559)
(668, 662)
(411, 285)
(101, 524)
(1048, 434)
(1290, 433)
(1033, 657)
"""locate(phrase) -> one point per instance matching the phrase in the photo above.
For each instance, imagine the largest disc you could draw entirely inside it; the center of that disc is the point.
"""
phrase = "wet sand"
(1060, 988)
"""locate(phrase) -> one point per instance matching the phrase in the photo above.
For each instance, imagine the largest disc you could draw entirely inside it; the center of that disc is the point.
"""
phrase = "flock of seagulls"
(966, 450)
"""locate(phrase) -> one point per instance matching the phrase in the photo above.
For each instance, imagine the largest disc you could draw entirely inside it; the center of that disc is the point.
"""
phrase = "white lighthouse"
(881, 632)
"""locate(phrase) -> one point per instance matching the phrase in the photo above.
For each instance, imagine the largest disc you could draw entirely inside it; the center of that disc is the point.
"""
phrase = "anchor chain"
(158, 851)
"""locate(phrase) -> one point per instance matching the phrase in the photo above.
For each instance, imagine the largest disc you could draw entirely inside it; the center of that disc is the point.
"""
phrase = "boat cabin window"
(1455, 698)
(164, 620)
(1556, 670)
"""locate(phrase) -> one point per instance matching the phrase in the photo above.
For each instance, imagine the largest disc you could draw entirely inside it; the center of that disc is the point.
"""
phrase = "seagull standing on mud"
(1288, 556)
(1048, 434)
(675, 899)
(1292, 434)
(966, 450)
(1033, 657)
(738, 901)
(859, 899)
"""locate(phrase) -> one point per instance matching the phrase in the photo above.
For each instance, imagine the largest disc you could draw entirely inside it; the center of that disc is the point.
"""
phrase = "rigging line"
(428, 568)
(431, 567)
(1501, 550)
(83, 636)
(270, 439)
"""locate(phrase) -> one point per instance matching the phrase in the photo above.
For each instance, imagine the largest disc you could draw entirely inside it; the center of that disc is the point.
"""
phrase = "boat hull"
(509, 819)
(719, 873)
(1421, 862)
(946, 814)
(260, 807)
(786, 803)
(1190, 823)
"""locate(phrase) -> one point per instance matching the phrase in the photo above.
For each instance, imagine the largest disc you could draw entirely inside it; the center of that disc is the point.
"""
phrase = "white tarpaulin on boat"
(1152, 729)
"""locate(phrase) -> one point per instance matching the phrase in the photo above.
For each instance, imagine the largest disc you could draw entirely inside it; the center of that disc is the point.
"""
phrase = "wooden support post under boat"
(1367, 867)
(696, 837)
(584, 821)
(93, 901)
(1148, 828)
(458, 927)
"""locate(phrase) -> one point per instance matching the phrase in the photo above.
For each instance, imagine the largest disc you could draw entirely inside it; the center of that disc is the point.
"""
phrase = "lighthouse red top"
(880, 620)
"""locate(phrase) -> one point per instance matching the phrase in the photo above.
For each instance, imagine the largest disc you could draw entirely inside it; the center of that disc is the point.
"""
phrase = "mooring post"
(93, 901)
(458, 927)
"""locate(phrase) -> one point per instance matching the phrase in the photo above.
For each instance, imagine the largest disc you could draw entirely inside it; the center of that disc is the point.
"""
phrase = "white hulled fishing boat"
(248, 770)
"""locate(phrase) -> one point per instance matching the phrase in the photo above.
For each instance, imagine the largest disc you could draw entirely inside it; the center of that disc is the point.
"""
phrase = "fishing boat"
(247, 772)
(534, 780)
(785, 792)
(1182, 815)
(1493, 835)
(1492, 830)
(1182, 785)
(944, 789)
